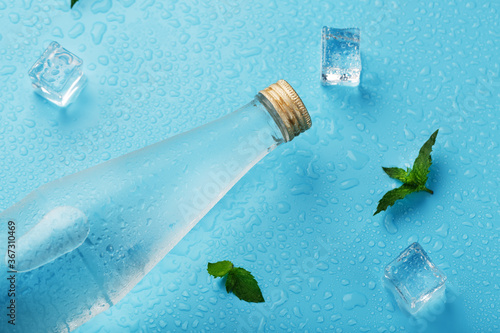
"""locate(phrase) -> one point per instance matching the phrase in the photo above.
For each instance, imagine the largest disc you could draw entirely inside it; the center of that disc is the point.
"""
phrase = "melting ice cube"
(414, 279)
(60, 231)
(341, 62)
(57, 75)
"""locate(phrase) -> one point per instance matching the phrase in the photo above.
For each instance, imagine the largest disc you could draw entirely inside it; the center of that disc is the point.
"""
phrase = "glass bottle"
(85, 240)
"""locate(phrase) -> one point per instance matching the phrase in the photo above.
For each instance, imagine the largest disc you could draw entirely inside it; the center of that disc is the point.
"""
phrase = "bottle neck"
(259, 126)
(273, 114)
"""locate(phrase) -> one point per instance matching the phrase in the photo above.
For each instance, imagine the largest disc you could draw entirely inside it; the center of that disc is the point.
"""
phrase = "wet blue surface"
(301, 221)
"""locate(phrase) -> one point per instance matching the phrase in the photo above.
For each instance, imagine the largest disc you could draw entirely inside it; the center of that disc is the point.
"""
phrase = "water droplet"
(23, 150)
(336, 317)
(7, 70)
(389, 307)
(409, 135)
(315, 307)
(349, 183)
(249, 52)
(301, 189)
(438, 245)
(389, 224)
(283, 207)
(77, 30)
(296, 312)
(443, 230)
(470, 173)
(57, 32)
(14, 17)
(184, 38)
(357, 159)
(101, 6)
(127, 3)
(352, 300)
(98, 30)
(413, 239)
(314, 282)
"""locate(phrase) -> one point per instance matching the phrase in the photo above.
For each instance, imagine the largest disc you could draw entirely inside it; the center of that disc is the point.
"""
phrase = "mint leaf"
(239, 281)
(245, 286)
(73, 2)
(396, 173)
(413, 179)
(230, 282)
(418, 175)
(393, 195)
(219, 269)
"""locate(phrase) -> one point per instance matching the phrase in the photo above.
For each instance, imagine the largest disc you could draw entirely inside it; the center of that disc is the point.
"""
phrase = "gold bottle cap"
(290, 108)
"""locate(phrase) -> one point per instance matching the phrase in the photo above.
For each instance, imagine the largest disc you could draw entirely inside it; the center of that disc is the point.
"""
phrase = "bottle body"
(137, 207)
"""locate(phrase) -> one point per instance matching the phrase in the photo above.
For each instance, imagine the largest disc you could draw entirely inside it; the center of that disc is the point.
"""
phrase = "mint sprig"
(413, 179)
(73, 2)
(239, 281)
(219, 269)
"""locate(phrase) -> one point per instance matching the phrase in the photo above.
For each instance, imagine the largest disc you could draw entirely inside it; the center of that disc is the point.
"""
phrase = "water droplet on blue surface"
(352, 300)
(97, 32)
(349, 183)
(389, 224)
(409, 135)
(77, 30)
(357, 159)
(443, 230)
(101, 6)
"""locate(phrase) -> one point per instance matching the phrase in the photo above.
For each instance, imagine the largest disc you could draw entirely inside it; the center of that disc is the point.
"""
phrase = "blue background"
(301, 220)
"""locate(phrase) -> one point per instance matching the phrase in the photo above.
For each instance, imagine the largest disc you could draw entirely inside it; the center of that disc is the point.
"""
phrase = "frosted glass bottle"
(85, 240)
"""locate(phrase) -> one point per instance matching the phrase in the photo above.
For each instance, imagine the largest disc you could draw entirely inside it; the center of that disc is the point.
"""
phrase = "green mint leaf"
(393, 195)
(420, 170)
(219, 269)
(73, 2)
(413, 179)
(230, 282)
(396, 173)
(244, 285)
(239, 281)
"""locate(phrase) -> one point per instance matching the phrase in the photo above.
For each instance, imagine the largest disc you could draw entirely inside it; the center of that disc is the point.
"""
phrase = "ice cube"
(414, 279)
(60, 231)
(341, 62)
(57, 75)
